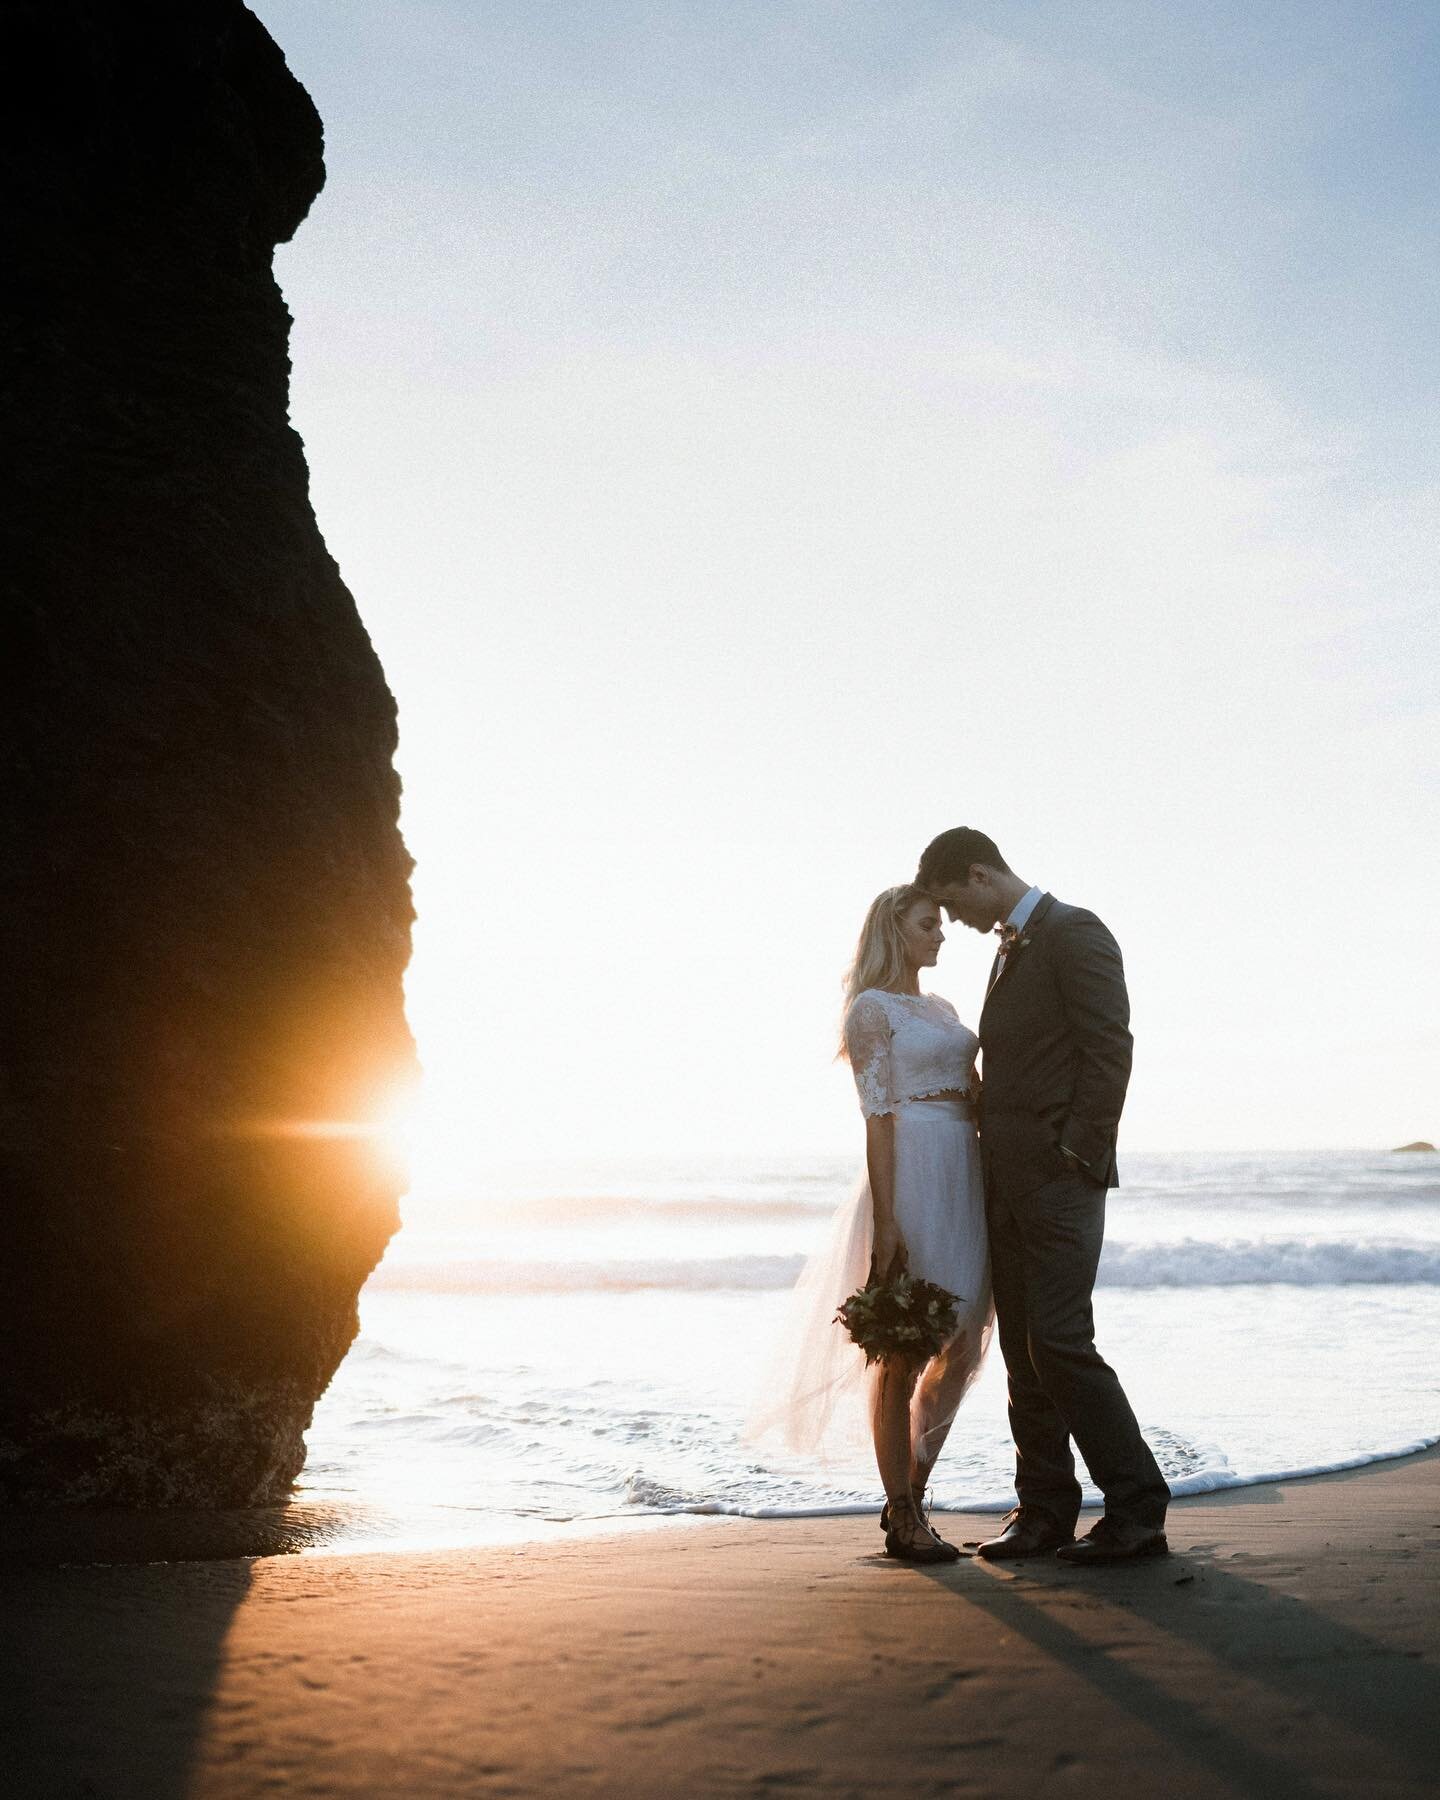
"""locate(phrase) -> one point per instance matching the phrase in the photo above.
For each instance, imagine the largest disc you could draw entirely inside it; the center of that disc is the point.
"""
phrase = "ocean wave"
(655, 1497)
(1185, 1263)
(1290, 1262)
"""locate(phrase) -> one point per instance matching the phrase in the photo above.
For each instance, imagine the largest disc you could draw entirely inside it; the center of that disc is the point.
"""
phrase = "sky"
(760, 436)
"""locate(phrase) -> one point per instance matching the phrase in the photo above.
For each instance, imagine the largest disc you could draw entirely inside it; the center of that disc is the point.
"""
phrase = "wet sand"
(1288, 1648)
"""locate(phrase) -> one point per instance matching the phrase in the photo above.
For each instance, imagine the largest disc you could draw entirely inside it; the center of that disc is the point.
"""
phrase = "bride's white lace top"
(905, 1047)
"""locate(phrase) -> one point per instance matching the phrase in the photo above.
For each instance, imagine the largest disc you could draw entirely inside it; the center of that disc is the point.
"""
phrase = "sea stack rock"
(205, 894)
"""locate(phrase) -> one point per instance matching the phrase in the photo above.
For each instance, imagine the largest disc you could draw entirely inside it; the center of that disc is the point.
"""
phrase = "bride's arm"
(889, 1253)
(867, 1045)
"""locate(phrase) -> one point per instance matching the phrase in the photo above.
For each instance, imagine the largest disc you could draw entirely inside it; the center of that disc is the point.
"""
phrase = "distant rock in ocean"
(205, 893)
(1419, 1144)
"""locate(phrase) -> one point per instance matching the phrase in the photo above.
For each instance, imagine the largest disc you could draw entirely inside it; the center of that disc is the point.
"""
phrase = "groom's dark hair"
(951, 854)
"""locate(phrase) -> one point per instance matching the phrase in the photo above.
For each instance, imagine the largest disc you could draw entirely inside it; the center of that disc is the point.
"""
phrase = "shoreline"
(1288, 1648)
(331, 1526)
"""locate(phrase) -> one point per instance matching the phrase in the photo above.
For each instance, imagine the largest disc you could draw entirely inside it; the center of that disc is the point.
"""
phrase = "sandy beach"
(1288, 1647)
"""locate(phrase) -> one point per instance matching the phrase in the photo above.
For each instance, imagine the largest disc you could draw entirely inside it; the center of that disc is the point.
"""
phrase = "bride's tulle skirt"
(818, 1397)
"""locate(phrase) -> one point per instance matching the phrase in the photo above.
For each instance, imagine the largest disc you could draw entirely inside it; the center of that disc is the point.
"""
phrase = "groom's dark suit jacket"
(1056, 1045)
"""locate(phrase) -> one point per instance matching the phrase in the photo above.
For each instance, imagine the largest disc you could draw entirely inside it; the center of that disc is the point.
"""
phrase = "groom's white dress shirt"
(1023, 907)
(1019, 918)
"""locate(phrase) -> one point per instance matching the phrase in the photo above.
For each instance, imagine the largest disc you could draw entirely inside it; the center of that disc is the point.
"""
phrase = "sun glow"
(389, 1128)
(435, 1132)
(395, 1129)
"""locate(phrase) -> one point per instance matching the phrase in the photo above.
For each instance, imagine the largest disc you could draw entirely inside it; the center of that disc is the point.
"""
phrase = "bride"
(920, 1207)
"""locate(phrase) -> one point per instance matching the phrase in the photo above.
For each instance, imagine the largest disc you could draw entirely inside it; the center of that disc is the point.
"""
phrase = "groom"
(1055, 1038)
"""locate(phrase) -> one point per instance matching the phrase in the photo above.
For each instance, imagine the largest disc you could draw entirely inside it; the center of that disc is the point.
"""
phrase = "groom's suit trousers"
(1044, 1251)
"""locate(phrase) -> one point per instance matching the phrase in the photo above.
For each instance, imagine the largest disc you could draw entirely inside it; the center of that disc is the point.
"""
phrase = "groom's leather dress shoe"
(1116, 1540)
(1028, 1532)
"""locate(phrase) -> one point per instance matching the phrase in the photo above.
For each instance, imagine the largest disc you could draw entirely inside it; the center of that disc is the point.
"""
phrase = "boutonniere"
(1010, 939)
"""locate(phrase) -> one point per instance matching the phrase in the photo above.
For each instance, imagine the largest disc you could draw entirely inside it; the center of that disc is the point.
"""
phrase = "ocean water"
(585, 1350)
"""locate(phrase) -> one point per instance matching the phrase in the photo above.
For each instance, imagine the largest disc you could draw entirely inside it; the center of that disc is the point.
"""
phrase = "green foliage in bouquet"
(905, 1317)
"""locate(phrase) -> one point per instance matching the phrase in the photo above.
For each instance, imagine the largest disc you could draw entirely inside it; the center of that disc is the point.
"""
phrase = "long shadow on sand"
(108, 1673)
(1269, 1674)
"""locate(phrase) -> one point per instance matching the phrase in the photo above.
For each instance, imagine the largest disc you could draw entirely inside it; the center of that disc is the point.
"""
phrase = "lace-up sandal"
(918, 1496)
(930, 1527)
(921, 1506)
(910, 1539)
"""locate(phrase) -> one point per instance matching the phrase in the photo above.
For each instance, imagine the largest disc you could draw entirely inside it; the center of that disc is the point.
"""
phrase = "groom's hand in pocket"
(1061, 1161)
(1070, 1161)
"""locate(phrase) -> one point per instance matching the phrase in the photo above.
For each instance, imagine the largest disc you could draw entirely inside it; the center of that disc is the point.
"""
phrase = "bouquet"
(904, 1317)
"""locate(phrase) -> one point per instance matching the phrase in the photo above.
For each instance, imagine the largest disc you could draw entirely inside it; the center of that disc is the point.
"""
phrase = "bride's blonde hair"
(880, 960)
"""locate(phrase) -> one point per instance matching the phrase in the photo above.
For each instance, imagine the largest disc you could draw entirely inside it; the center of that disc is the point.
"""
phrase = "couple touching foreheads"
(995, 1188)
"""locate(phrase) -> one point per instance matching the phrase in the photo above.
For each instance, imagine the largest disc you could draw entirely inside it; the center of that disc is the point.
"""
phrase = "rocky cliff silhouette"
(204, 892)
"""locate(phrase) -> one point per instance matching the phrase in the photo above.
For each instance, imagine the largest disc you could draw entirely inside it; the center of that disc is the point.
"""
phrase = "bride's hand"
(890, 1255)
